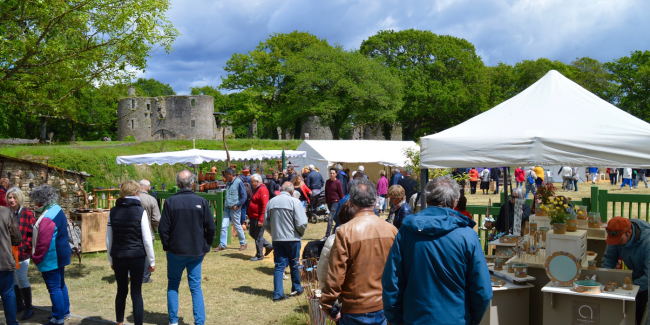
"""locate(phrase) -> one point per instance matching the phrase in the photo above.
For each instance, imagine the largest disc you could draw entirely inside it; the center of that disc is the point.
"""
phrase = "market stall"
(591, 136)
(374, 155)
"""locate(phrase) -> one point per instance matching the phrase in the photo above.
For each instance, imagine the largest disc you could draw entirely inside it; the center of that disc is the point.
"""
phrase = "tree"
(340, 86)
(152, 88)
(261, 73)
(527, 72)
(594, 76)
(632, 74)
(502, 83)
(52, 49)
(445, 82)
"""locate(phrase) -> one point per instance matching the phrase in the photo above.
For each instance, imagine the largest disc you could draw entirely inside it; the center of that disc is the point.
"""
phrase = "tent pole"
(424, 177)
(505, 194)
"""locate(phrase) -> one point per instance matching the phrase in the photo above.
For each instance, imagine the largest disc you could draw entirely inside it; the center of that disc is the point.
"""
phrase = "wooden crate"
(93, 230)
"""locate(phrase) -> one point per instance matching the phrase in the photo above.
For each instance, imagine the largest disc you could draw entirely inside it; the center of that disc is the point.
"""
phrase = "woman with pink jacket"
(382, 188)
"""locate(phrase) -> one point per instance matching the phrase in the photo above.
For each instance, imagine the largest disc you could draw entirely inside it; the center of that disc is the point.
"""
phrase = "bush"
(130, 138)
(230, 136)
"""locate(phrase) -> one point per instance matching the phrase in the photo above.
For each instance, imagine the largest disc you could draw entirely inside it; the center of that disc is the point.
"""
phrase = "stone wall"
(23, 173)
(315, 129)
(168, 117)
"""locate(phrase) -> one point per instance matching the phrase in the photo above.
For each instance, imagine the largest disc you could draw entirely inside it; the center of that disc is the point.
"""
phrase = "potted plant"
(557, 214)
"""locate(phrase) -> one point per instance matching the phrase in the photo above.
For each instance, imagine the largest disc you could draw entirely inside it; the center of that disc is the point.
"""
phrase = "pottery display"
(609, 288)
(543, 231)
(562, 268)
(490, 258)
(498, 264)
(539, 212)
(613, 284)
(496, 282)
(582, 212)
(510, 239)
(506, 254)
(213, 169)
(628, 284)
(511, 267)
(592, 265)
(594, 220)
(586, 286)
(488, 224)
(201, 177)
(591, 253)
(572, 225)
(521, 270)
(559, 228)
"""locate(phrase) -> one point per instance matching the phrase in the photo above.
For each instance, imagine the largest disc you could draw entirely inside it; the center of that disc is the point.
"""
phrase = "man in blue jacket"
(436, 272)
(397, 176)
(314, 181)
(235, 199)
(628, 239)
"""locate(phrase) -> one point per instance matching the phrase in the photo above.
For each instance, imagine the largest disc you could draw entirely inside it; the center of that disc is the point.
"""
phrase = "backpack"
(530, 178)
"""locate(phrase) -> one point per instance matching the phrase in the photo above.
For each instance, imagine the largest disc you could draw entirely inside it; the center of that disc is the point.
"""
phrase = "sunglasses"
(615, 233)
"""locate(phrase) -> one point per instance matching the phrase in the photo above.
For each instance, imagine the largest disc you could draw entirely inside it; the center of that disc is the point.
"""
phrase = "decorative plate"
(562, 268)
(590, 287)
(496, 282)
(510, 239)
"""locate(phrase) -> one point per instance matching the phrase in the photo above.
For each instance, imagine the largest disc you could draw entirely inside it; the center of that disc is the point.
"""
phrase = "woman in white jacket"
(346, 213)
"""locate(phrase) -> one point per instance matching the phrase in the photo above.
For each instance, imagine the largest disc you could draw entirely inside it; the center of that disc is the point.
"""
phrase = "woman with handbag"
(485, 180)
(128, 244)
(25, 221)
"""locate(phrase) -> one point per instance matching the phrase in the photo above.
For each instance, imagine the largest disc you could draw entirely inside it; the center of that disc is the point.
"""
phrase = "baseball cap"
(616, 227)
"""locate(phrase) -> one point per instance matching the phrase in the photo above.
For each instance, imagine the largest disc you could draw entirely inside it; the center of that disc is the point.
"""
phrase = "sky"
(501, 31)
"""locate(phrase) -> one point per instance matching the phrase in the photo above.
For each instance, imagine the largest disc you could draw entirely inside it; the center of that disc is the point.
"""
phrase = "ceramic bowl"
(587, 286)
(496, 282)
(510, 239)
(521, 270)
(490, 258)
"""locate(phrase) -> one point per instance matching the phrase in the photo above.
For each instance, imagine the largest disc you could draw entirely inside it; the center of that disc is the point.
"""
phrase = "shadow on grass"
(94, 320)
(238, 256)
(266, 270)
(156, 318)
(109, 278)
(253, 291)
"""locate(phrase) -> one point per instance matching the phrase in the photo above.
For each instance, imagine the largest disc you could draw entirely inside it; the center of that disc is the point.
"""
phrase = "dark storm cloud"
(502, 31)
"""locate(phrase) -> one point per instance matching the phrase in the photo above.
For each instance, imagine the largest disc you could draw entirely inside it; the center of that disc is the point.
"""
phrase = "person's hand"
(152, 268)
(235, 208)
(112, 267)
(260, 223)
(338, 316)
(490, 237)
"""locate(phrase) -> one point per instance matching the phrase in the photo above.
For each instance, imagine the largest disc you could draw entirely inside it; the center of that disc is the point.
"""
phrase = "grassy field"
(98, 158)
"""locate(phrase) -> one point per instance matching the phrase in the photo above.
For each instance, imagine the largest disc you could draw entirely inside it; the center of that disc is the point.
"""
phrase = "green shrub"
(130, 138)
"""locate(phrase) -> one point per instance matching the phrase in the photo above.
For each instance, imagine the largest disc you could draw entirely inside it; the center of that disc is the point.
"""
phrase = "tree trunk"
(43, 134)
(252, 129)
(335, 131)
(297, 129)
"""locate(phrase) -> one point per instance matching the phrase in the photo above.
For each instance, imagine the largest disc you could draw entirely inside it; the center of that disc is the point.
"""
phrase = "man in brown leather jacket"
(357, 261)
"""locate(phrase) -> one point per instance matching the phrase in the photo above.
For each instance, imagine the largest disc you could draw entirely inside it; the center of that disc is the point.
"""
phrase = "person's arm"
(109, 239)
(394, 284)
(478, 283)
(266, 223)
(299, 219)
(45, 233)
(336, 270)
(164, 228)
(642, 282)
(265, 201)
(209, 227)
(242, 195)
(28, 225)
(308, 180)
(339, 189)
(610, 257)
(146, 239)
(155, 215)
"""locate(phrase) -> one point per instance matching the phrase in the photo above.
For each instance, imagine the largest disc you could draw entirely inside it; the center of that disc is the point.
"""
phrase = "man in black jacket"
(495, 173)
(342, 177)
(186, 232)
(409, 185)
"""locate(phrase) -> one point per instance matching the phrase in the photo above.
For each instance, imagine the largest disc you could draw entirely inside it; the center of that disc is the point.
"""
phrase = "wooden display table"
(509, 305)
(93, 230)
(562, 305)
(596, 241)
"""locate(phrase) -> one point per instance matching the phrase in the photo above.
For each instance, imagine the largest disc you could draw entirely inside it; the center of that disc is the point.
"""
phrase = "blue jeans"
(55, 283)
(627, 181)
(234, 216)
(575, 185)
(530, 188)
(519, 184)
(8, 296)
(175, 267)
(243, 215)
(375, 317)
(285, 252)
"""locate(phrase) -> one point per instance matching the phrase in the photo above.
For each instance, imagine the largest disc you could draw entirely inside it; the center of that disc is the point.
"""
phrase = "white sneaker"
(285, 277)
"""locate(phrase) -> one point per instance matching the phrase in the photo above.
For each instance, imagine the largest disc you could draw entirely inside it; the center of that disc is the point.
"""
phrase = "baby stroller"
(317, 208)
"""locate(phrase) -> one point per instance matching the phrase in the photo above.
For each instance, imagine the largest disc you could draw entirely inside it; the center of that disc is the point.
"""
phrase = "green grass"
(98, 158)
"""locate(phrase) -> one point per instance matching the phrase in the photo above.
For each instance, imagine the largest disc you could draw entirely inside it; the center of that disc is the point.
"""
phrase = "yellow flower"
(566, 205)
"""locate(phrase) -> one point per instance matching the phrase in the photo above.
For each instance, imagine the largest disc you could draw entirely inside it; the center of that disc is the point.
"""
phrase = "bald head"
(184, 179)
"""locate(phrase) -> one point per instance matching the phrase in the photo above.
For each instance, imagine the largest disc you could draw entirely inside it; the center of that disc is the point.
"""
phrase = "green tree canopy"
(632, 75)
(341, 86)
(152, 88)
(445, 82)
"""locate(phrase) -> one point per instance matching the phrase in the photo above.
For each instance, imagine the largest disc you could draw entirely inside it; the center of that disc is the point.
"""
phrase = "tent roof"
(197, 156)
(389, 153)
(586, 131)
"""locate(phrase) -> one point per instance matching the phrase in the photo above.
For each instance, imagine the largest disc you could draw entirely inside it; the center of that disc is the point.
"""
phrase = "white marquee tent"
(589, 132)
(374, 155)
(198, 156)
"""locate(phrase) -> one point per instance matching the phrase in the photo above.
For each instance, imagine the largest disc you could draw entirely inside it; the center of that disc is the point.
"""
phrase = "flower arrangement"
(557, 210)
(546, 192)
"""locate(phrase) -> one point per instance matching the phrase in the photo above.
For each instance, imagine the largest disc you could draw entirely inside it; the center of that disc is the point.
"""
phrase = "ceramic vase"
(201, 177)
(559, 228)
(498, 264)
(489, 224)
(594, 220)
(543, 231)
(521, 270)
(572, 225)
(533, 228)
(592, 265)
(511, 267)
(539, 212)
(582, 212)
(213, 169)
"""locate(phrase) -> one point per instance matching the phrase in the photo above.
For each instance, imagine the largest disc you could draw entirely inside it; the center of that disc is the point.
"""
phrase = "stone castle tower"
(167, 117)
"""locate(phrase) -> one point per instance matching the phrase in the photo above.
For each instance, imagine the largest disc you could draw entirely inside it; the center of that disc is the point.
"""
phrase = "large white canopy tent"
(198, 156)
(589, 132)
(374, 155)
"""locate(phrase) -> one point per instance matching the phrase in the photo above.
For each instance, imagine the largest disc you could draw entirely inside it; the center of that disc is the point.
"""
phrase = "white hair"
(311, 167)
(256, 177)
(518, 193)
(361, 168)
(354, 172)
(145, 183)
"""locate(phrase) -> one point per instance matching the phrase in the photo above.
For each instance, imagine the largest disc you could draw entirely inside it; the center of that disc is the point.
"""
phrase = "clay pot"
(594, 220)
(559, 228)
(498, 264)
(592, 265)
(511, 267)
(64, 194)
(572, 225)
(489, 224)
(490, 258)
(521, 270)
(609, 288)
(201, 177)
(539, 212)
(628, 284)
(213, 169)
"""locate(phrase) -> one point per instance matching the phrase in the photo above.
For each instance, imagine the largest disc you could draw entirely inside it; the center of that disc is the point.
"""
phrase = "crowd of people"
(409, 266)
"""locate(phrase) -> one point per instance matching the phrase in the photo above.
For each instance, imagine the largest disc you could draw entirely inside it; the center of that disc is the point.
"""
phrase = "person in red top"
(461, 207)
(520, 177)
(255, 210)
(4, 184)
(473, 179)
(333, 194)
